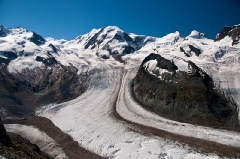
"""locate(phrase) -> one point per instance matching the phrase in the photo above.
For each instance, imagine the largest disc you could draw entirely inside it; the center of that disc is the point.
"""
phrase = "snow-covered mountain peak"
(172, 37)
(106, 30)
(110, 38)
(196, 35)
(12, 31)
(113, 28)
(20, 35)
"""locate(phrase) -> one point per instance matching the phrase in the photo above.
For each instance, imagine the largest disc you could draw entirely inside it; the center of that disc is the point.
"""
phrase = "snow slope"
(90, 119)
(131, 110)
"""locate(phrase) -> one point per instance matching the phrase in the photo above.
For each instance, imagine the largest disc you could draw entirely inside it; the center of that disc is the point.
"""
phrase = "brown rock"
(231, 31)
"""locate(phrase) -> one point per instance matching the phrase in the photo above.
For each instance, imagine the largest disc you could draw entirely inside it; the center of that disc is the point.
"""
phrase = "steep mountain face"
(37, 71)
(3, 31)
(190, 79)
(21, 93)
(231, 31)
(4, 138)
(31, 76)
(182, 96)
(111, 39)
(37, 39)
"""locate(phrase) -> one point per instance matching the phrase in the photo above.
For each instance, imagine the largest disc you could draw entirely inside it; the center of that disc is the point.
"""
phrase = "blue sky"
(69, 18)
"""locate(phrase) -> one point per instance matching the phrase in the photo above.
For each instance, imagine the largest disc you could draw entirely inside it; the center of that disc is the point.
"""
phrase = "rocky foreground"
(13, 146)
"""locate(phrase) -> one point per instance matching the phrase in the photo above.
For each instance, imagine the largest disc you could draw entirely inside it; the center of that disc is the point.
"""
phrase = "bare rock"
(183, 96)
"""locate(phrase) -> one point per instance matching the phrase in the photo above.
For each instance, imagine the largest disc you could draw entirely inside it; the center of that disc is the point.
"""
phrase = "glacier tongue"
(90, 120)
(111, 40)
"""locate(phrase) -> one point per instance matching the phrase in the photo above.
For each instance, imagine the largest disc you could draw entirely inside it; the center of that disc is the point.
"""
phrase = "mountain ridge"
(78, 84)
(26, 55)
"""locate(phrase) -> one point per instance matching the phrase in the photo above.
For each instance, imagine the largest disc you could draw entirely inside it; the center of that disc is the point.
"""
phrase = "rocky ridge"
(52, 83)
(15, 147)
(231, 31)
(189, 97)
(52, 71)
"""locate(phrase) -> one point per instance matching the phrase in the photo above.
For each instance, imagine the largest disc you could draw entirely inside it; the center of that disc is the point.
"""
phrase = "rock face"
(9, 55)
(194, 49)
(37, 39)
(106, 39)
(182, 96)
(2, 31)
(4, 139)
(113, 40)
(23, 92)
(182, 50)
(15, 147)
(231, 31)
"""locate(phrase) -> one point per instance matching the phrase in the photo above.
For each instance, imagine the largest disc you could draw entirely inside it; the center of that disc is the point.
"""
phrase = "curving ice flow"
(132, 111)
(89, 120)
(44, 142)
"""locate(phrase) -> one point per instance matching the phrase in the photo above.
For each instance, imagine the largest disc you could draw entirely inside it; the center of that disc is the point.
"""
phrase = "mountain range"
(189, 79)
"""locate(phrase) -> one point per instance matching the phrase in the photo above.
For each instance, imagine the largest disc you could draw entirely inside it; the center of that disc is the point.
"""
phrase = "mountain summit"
(30, 63)
(91, 87)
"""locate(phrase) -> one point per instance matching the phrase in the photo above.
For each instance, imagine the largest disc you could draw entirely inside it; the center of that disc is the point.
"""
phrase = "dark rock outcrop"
(9, 55)
(231, 31)
(55, 50)
(118, 58)
(15, 147)
(2, 31)
(195, 50)
(37, 39)
(182, 50)
(183, 96)
(224, 32)
(4, 139)
(4, 61)
(47, 61)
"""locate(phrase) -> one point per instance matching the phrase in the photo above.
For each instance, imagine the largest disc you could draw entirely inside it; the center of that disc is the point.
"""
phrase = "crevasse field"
(107, 120)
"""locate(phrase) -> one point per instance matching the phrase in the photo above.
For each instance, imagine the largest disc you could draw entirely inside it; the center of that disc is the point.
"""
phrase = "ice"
(41, 139)
(90, 120)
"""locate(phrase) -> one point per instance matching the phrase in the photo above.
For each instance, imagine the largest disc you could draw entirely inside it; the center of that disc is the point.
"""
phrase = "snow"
(104, 53)
(151, 67)
(41, 139)
(196, 35)
(89, 118)
(21, 63)
(132, 111)
(1, 157)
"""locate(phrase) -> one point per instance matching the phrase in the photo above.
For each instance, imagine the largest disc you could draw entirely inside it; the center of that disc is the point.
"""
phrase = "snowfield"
(89, 120)
(132, 111)
(106, 119)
